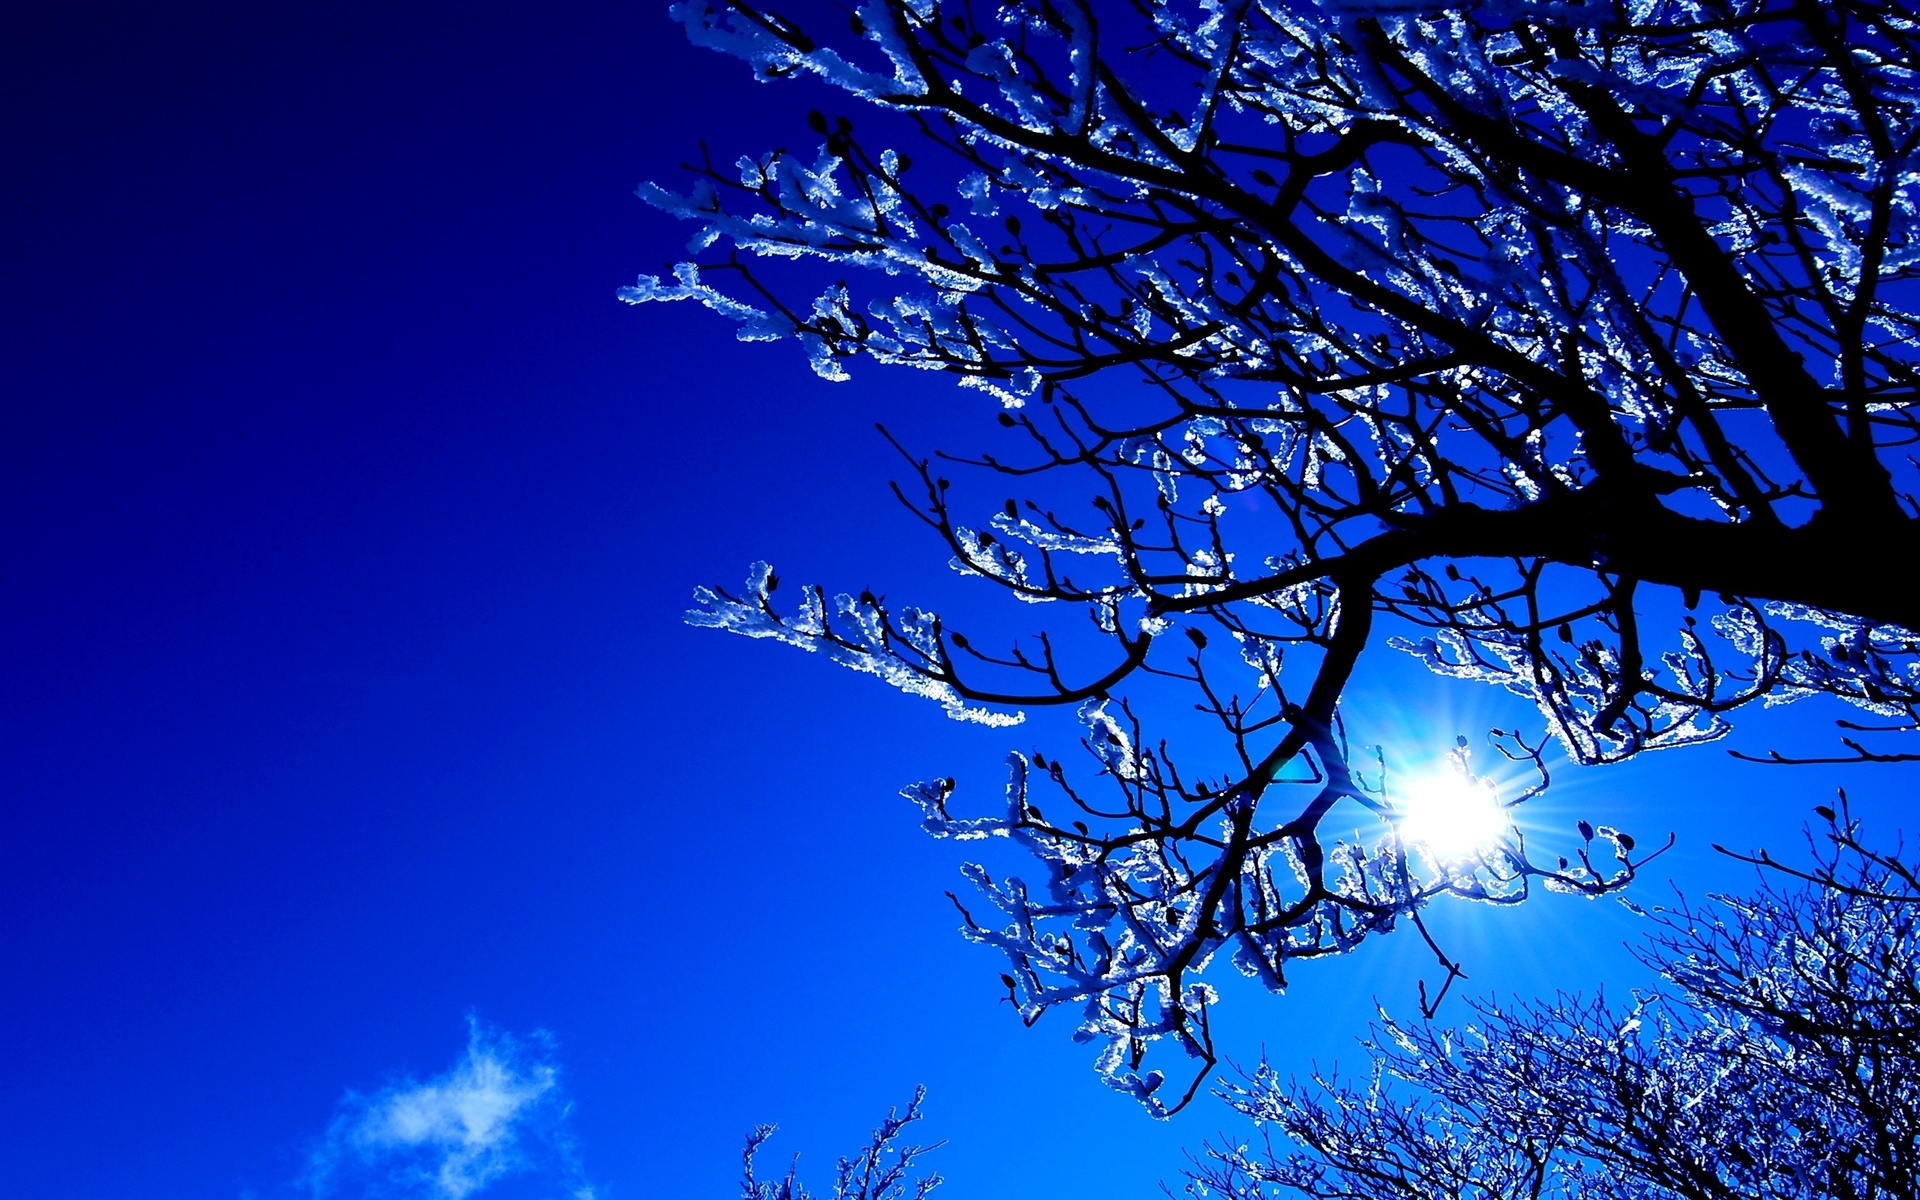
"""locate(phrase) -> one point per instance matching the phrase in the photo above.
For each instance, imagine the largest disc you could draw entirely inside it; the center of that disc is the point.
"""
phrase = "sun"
(1453, 816)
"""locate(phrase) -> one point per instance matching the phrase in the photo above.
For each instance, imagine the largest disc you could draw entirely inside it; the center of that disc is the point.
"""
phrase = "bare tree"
(1780, 1058)
(1520, 330)
(882, 1170)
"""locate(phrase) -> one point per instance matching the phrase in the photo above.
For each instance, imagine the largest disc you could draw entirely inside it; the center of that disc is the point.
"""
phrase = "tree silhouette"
(1780, 1058)
(1572, 344)
(882, 1170)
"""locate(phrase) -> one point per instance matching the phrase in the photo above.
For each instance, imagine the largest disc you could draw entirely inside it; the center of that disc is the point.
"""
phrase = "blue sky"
(366, 802)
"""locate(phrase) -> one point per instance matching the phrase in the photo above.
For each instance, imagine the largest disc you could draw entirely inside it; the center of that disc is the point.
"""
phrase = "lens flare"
(1453, 816)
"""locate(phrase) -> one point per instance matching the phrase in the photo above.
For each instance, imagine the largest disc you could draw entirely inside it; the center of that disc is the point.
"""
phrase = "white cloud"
(498, 1111)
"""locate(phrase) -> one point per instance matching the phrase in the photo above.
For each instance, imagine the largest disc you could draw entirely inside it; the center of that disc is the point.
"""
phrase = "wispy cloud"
(498, 1111)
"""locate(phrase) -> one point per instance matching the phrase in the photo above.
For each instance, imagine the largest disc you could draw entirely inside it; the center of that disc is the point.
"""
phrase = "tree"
(1520, 330)
(1781, 1058)
(882, 1170)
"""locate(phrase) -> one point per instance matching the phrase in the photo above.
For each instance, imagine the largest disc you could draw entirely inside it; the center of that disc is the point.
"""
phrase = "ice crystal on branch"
(1778, 1057)
(882, 1170)
(1573, 345)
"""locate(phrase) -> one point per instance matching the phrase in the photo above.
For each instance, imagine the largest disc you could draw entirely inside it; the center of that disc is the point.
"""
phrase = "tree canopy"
(1567, 346)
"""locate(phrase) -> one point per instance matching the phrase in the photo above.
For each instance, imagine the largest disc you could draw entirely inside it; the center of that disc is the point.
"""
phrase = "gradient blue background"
(346, 521)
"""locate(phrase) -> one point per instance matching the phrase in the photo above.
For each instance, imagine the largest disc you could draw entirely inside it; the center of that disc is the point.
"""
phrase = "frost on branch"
(1153, 875)
(1873, 665)
(1779, 1056)
(882, 1170)
(857, 632)
(1570, 348)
